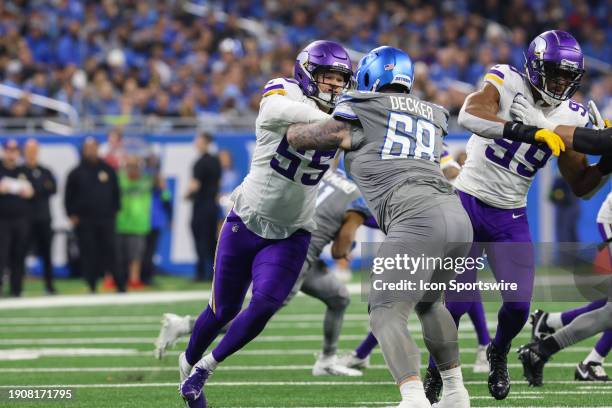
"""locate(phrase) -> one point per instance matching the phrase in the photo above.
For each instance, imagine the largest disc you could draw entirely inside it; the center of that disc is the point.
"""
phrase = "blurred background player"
(41, 232)
(495, 179)
(266, 235)
(414, 205)
(203, 191)
(92, 201)
(15, 192)
(340, 210)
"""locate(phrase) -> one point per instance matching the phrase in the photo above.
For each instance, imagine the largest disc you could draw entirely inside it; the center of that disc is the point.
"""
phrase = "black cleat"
(533, 364)
(499, 379)
(591, 371)
(432, 384)
(539, 328)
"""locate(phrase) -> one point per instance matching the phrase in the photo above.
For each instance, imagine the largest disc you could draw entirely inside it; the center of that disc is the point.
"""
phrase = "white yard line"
(223, 368)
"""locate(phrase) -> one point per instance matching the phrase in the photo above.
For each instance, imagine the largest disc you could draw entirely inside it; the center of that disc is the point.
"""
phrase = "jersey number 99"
(409, 137)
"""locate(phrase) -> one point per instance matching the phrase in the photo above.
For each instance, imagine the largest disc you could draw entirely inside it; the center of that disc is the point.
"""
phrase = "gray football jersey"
(336, 195)
(396, 144)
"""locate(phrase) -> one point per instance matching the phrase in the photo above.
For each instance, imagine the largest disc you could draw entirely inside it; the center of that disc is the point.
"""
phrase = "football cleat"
(192, 388)
(592, 371)
(432, 384)
(481, 365)
(352, 361)
(414, 401)
(539, 328)
(533, 364)
(331, 366)
(173, 328)
(499, 379)
(458, 398)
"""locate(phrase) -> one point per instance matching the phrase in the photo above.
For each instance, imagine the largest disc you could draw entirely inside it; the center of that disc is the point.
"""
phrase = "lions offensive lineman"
(494, 182)
(265, 237)
(393, 143)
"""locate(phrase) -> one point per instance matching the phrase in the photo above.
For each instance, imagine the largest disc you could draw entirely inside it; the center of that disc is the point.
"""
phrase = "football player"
(265, 237)
(495, 179)
(392, 144)
(340, 210)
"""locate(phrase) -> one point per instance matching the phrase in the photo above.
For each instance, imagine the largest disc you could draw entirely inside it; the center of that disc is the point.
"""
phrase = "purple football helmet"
(555, 65)
(322, 56)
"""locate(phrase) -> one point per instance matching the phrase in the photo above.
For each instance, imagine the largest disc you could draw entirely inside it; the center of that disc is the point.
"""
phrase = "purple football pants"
(273, 265)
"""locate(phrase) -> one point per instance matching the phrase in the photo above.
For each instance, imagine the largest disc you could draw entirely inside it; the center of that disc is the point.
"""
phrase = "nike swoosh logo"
(583, 374)
(515, 216)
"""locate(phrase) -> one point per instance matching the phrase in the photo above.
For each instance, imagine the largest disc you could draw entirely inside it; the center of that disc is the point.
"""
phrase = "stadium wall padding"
(176, 253)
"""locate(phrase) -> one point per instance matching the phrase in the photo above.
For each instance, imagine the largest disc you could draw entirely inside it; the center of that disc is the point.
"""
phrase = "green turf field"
(273, 371)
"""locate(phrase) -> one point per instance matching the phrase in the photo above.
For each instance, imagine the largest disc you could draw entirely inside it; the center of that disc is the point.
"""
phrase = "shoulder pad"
(283, 86)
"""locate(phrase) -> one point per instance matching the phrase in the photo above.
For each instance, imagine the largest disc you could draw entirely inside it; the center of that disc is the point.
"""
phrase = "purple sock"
(205, 331)
(477, 315)
(512, 317)
(569, 315)
(604, 344)
(246, 326)
(366, 346)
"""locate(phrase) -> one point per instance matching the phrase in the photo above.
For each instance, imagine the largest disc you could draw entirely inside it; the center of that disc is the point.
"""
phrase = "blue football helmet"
(384, 66)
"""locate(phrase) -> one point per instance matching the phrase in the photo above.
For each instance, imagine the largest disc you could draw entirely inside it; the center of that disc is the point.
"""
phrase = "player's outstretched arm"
(479, 115)
(325, 135)
(343, 242)
(587, 141)
(584, 179)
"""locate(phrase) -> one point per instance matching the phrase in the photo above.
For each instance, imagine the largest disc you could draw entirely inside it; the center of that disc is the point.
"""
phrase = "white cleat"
(414, 401)
(352, 361)
(173, 328)
(458, 398)
(330, 366)
(184, 367)
(481, 365)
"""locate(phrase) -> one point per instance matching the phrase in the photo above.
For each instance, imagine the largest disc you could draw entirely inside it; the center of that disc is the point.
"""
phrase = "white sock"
(411, 388)
(208, 362)
(594, 357)
(554, 320)
(452, 379)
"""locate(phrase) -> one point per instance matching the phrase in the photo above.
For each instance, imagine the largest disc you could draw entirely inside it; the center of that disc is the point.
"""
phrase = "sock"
(548, 346)
(410, 388)
(554, 321)
(452, 379)
(208, 362)
(593, 357)
(366, 346)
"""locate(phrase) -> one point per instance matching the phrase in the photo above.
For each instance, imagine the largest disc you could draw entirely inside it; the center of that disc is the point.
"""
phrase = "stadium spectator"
(113, 150)
(15, 192)
(41, 232)
(203, 190)
(92, 201)
(134, 218)
(161, 216)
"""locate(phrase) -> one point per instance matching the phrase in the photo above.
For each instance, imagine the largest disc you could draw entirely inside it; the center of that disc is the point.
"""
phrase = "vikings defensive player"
(265, 237)
(340, 211)
(494, 182)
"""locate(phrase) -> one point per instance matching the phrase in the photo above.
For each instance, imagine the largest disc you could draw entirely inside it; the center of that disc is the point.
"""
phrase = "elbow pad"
(591, 141)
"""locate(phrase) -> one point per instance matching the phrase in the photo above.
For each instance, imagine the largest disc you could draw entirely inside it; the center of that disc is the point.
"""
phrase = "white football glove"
(523, 111)
(596, 119)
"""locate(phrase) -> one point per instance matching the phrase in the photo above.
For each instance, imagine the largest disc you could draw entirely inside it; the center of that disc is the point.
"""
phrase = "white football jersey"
(604, 216)
(278, 195)
(500, 171)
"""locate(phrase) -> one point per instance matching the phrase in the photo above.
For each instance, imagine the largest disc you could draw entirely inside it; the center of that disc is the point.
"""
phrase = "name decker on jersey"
(499, 172)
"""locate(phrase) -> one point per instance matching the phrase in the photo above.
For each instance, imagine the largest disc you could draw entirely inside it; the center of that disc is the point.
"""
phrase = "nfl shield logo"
(389, 67)
(235, 228)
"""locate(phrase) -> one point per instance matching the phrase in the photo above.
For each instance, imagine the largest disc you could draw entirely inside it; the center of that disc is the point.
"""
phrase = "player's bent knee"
(518, 307)
(338, 302)
(225, 315)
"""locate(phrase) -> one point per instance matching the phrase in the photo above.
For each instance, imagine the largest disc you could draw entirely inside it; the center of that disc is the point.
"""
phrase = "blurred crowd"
(184, 59)
(118, 205)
